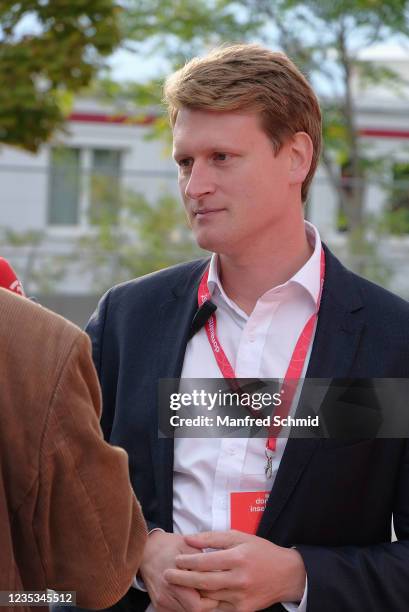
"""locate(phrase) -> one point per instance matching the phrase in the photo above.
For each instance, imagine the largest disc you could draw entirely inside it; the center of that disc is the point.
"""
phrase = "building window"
(104, 201)
(400, 191)
(64, 186)
(397, 214)
(345, 192)
(84, 186)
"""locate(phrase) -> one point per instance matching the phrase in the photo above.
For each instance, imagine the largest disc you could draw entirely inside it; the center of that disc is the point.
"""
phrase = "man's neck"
(247, 276)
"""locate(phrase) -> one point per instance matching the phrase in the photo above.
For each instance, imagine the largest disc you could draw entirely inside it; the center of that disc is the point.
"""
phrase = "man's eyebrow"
(217, 147)
(179, 154)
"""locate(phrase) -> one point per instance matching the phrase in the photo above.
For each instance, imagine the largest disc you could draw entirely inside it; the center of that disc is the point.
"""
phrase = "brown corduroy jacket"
(68, 517)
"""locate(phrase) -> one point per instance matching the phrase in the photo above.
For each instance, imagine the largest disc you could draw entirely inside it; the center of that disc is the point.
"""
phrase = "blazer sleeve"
(372, 577)
(104, 355)
(107, 368)
(88, 523)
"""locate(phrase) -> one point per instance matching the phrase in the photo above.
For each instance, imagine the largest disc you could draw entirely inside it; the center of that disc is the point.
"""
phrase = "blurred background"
(88, 193)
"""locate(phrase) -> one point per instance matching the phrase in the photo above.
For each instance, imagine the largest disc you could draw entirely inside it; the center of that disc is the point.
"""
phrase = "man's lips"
(202, 212)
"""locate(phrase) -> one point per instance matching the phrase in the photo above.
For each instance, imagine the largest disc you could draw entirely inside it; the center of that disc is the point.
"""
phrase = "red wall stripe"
(149, 119)
(97, 118)
(375, 133)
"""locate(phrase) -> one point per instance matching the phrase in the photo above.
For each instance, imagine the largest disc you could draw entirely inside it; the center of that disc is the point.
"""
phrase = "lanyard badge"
(294, 370)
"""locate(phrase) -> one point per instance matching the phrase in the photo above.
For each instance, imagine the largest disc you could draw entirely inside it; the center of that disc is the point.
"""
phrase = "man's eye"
(185, 162)
(220, 156)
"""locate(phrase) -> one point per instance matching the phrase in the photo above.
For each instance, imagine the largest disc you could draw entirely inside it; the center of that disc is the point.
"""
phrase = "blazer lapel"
(176, 314)
(340, 323)
(339, 327)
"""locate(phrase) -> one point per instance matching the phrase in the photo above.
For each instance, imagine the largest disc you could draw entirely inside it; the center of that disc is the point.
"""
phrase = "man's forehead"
(187, 115)
(193, 125)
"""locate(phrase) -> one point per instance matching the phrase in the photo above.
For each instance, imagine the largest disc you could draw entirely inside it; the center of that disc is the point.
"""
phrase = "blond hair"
(250, 77)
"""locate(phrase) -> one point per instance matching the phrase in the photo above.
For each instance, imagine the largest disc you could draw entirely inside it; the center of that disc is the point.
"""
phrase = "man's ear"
(301, 152)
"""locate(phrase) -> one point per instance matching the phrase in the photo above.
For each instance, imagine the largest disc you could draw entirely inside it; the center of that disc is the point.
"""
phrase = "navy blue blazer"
(332, 499)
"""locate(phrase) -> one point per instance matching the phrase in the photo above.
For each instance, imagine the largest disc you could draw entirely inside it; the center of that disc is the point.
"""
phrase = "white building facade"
(48, 199)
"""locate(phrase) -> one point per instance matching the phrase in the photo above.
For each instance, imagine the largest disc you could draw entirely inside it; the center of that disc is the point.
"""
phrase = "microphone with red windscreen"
(8, 278)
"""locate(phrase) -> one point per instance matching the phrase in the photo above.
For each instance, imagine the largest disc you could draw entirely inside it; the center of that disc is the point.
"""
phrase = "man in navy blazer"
(246, 129)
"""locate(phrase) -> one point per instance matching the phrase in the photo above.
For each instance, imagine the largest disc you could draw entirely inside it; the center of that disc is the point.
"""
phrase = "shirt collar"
(307, 277)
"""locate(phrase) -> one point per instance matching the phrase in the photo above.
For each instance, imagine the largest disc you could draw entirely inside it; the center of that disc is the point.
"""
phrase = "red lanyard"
(297, 360)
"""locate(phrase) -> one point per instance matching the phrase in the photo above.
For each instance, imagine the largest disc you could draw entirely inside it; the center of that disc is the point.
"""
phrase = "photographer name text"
(247, 421)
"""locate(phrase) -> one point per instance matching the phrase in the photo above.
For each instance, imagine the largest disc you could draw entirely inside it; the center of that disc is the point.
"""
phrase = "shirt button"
(231, 450)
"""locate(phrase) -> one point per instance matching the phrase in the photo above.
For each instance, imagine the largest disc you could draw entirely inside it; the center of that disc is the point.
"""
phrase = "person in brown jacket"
(68, 518)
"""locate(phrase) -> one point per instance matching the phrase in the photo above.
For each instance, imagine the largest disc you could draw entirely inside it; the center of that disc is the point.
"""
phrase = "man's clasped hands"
(240, 572)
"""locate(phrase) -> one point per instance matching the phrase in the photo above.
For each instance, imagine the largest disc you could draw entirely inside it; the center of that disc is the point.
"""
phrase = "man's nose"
(200, 182)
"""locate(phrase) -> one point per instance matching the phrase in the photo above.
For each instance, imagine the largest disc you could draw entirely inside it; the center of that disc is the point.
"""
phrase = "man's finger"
(227, 599)
(206, 562)
(183, 600)
(202, 581)
(216, 539)
(208, 605)
(225, 606)
(192, 601)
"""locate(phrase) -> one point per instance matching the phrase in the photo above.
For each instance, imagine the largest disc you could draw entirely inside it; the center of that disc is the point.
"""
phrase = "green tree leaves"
(48, 50)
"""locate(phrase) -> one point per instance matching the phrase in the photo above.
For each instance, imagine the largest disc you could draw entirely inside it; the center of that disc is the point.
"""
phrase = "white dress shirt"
(259, 345)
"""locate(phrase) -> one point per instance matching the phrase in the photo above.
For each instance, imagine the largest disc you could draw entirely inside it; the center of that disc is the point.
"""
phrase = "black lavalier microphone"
(202, 315)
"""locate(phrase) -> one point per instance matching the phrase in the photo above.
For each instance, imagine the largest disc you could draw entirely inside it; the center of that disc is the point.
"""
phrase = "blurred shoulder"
(27, 326)
(156, 286)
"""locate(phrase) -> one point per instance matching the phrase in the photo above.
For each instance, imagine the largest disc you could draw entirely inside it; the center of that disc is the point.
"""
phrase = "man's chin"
(209, 243)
